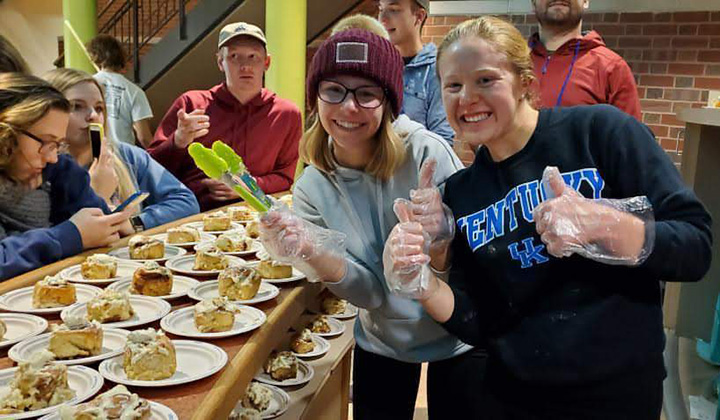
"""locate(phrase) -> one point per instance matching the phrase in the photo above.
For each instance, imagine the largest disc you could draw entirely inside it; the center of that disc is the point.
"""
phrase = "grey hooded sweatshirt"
(361, 206)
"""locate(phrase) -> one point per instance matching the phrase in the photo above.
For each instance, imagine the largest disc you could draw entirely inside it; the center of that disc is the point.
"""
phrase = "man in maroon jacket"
(261, 127)
(573, 68)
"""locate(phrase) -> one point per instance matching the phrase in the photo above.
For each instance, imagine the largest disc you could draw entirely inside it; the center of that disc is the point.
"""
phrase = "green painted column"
(79, 16)
(286, 32)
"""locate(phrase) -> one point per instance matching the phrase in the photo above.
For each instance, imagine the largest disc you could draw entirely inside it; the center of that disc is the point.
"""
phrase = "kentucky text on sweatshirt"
(569, 320)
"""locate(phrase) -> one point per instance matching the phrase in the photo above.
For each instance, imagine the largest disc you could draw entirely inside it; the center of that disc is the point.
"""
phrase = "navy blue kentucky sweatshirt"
(570, 320)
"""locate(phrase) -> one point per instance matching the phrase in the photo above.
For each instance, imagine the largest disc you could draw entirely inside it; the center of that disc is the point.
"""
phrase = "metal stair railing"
(136, 22)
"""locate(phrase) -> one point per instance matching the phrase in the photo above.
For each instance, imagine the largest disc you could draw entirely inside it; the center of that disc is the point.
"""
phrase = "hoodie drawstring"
(567, 78)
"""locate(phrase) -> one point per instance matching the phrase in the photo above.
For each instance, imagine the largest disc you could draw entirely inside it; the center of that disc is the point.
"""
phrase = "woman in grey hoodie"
(361, 159)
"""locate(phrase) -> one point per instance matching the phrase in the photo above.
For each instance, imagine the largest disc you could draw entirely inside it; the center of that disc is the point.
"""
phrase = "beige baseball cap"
(424, 3)
(236, 29)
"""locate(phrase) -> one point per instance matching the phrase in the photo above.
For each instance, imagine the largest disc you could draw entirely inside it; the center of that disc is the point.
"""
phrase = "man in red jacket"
(573, 68)
(261, 127)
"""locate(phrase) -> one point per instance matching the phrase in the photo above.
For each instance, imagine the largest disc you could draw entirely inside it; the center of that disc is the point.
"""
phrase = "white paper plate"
(185, 263)
(203, 237)
(337, 327)
(83, 380)
(254, 249)
(147, 309)
(195, 360)
(321, 347)
(181, 286)
(20, 300)
(297, 275)
(279, 403)
(157, 412)
(305, 373)
(209, 290)
(125, 268)
(350, 311)
(200, 226)
(21, 327)
(113, 344)
(182, 322)
(171, 251)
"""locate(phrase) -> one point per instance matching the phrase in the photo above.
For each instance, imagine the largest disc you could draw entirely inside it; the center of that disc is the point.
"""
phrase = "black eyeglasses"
(47, 147)
(369, 97)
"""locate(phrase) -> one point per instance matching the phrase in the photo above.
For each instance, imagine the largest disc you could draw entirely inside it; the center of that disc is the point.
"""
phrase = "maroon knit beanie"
(357, 52)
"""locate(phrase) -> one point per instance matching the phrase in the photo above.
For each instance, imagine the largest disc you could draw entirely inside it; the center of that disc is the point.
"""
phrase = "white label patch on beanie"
(351, 52)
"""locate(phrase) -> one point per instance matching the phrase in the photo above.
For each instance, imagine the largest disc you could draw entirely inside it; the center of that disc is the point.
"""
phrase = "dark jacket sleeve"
(70, 191)
(634, 164)
(38, 247)
(472, 313)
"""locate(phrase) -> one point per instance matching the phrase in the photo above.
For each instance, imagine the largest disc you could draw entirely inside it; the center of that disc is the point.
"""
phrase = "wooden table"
(325, 397)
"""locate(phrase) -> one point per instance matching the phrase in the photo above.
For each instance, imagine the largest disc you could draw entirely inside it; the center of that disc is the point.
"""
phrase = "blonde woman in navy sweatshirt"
(557, 270)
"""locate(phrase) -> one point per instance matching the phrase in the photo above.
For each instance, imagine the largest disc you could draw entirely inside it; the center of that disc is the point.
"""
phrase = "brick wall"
(675, 58)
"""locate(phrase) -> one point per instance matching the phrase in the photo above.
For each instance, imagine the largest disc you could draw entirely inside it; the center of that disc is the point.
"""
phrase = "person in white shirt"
(128, 108)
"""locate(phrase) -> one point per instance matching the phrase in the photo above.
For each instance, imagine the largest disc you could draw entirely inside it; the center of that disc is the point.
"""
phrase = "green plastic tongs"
(223, 164)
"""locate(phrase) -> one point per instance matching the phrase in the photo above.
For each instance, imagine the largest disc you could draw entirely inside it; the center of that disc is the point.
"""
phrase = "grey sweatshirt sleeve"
(359, 286)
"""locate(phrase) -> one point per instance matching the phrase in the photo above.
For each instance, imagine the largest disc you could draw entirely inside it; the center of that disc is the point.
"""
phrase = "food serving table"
(326, 396)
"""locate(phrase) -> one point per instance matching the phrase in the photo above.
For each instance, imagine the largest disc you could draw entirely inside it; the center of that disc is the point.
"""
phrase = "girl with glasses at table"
(362, 157)
(47, 209)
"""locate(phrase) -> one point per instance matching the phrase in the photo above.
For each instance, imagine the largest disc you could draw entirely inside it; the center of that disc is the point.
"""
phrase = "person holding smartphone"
(121, 169)
(47, 209)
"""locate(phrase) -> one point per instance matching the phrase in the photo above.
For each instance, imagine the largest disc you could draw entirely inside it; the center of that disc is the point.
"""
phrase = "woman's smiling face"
(480, 90)
(350, 125)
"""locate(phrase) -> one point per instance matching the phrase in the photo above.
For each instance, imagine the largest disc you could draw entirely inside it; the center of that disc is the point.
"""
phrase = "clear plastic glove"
(612, 231)
(406, 263)
(427, 207)
(289, 239)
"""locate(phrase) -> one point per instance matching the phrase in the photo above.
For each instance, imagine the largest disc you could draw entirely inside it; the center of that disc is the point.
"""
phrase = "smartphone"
(97, 135)
(133, 200)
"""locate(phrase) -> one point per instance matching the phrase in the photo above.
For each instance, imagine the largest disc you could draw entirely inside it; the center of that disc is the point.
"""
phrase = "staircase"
(172, 43)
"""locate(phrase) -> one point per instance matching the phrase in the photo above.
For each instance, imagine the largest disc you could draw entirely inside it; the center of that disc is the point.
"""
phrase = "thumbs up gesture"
(613, 231)
(405, 257)
(427, 208)
(190, 126)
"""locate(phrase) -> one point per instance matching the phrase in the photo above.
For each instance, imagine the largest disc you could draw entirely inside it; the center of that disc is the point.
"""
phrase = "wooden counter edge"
(230, 387)
(319, 396)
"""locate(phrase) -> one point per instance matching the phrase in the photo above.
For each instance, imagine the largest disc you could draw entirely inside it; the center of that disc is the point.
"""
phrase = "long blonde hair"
(66, 78)
(315, 148)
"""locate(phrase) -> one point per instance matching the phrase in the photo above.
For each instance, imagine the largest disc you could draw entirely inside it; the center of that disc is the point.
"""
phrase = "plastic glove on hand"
(289, 239)
(406, 263)
(613, 231)
(428, 209)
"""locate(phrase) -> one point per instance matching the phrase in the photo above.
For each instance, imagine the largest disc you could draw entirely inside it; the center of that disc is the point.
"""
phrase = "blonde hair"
(315, 148)
(24, 100)
(359, 21)
(66, 78)
(502, 36)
